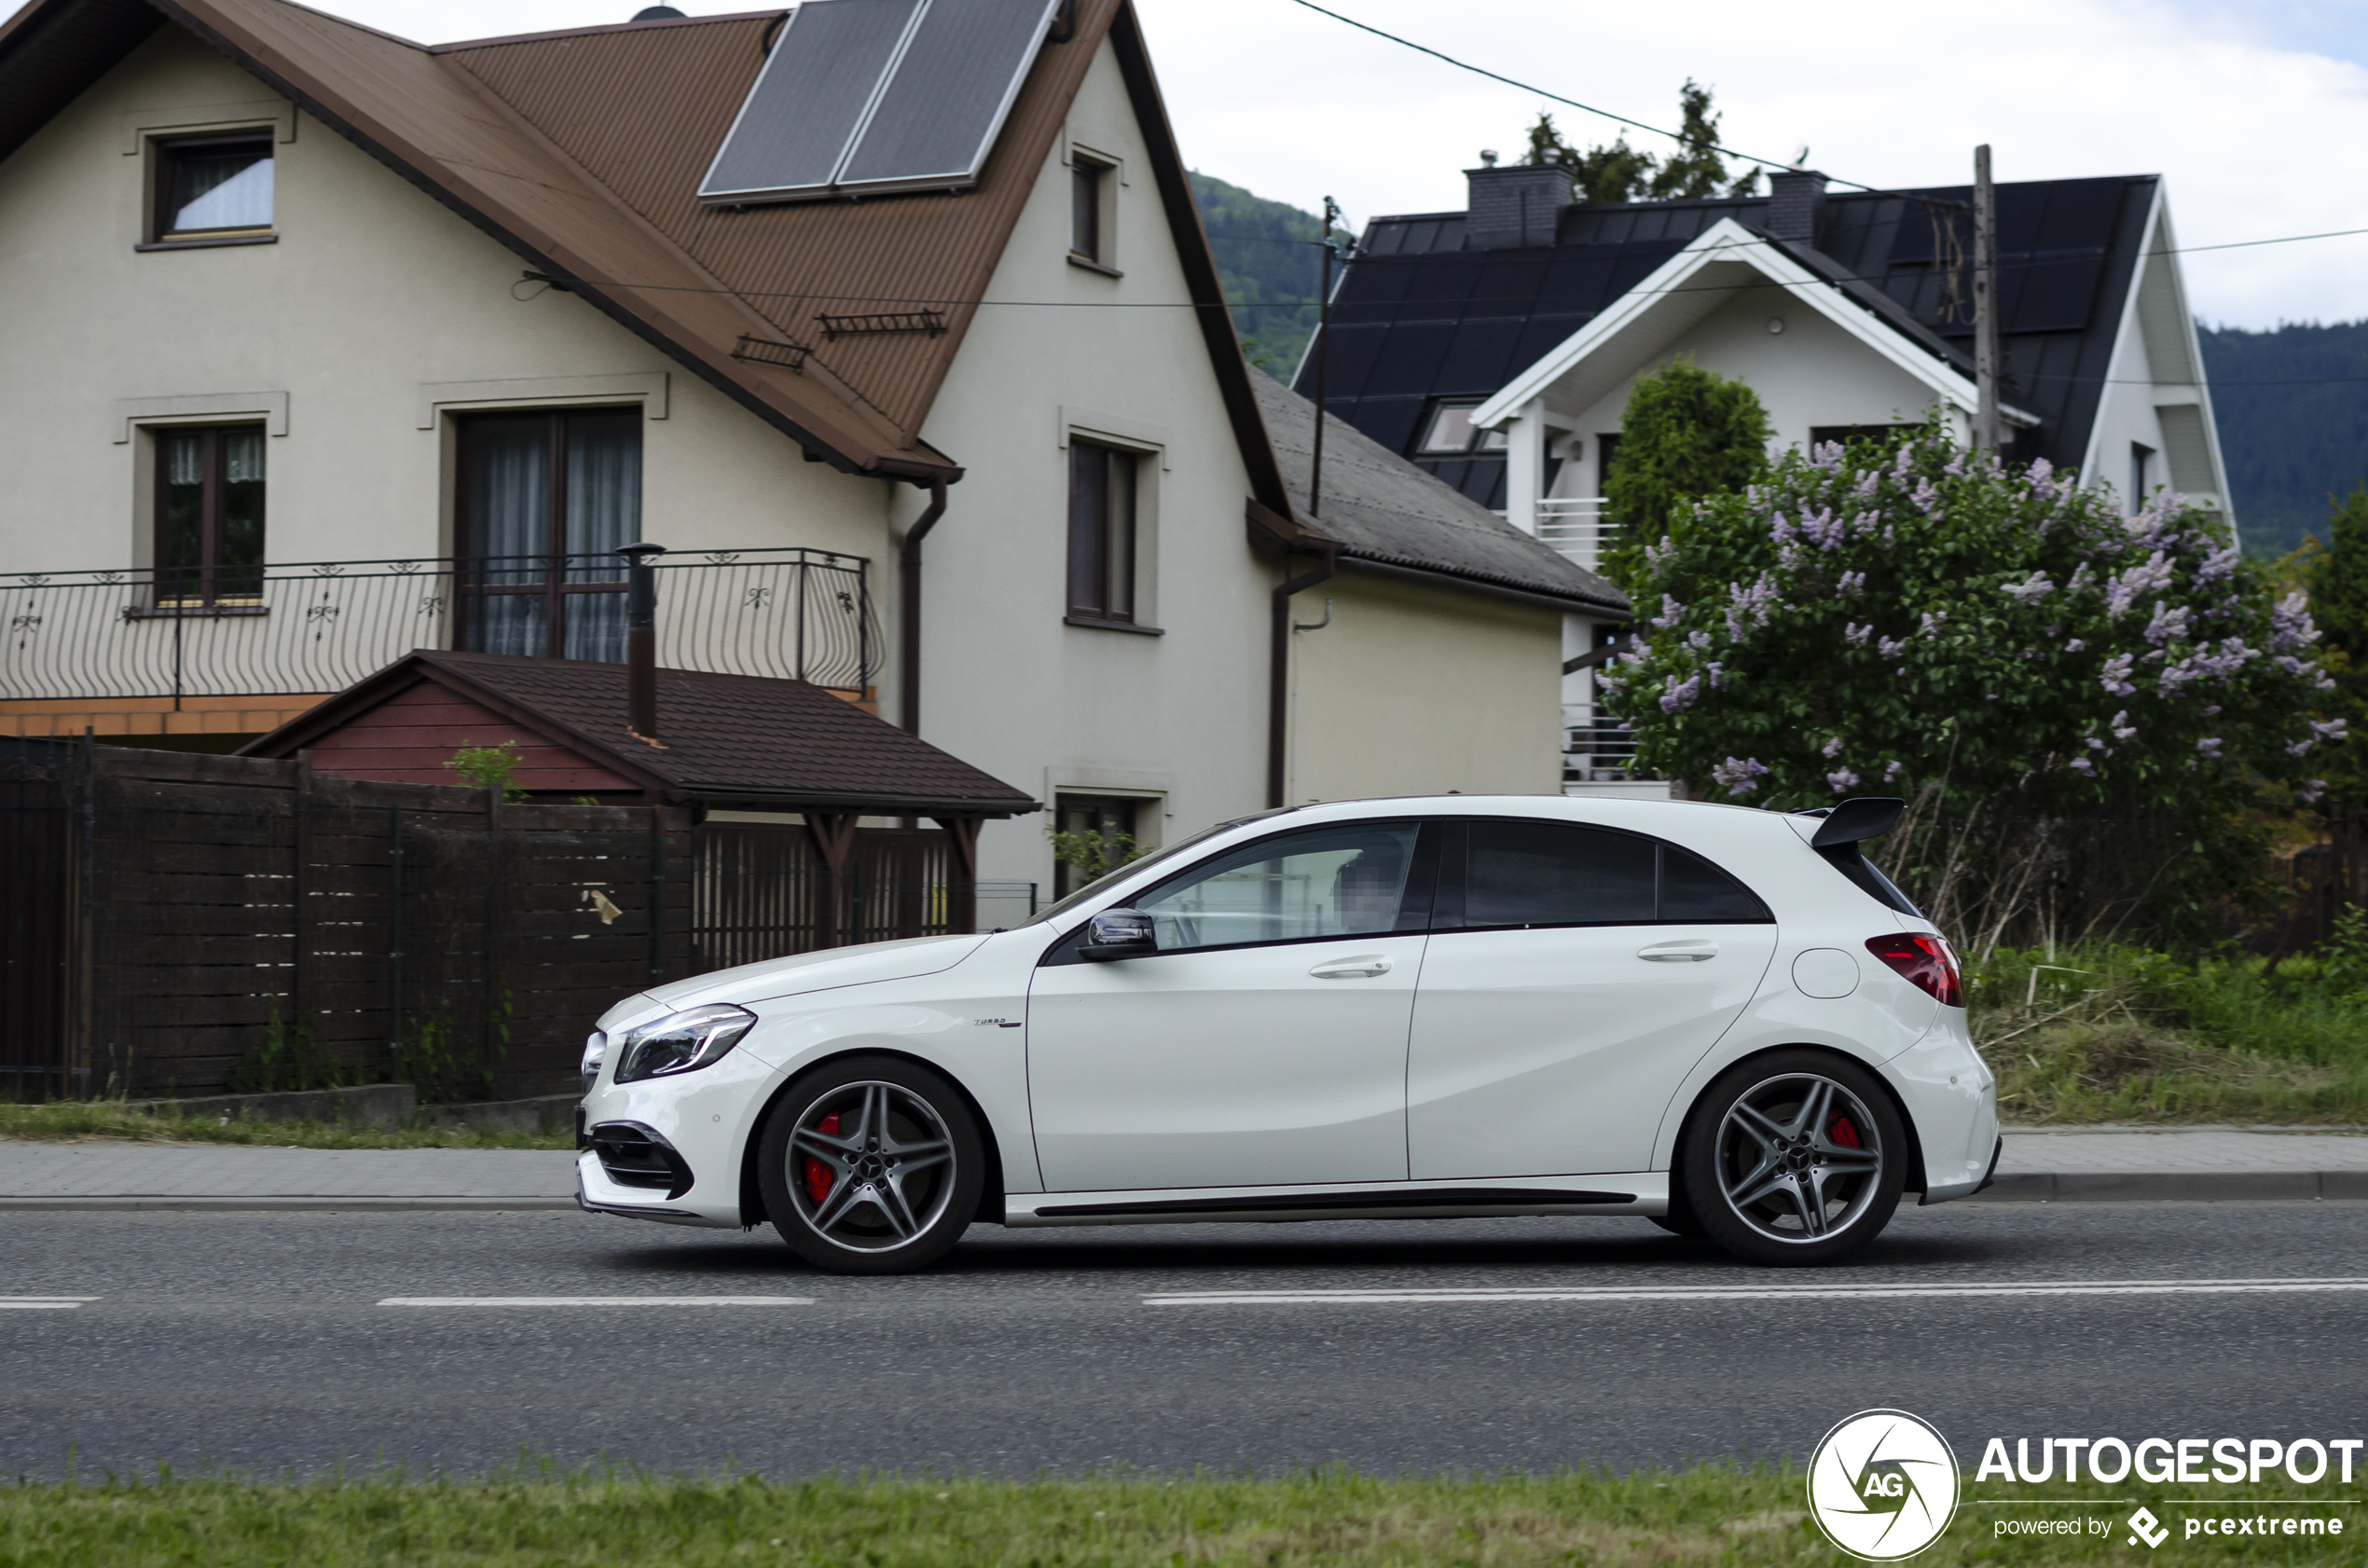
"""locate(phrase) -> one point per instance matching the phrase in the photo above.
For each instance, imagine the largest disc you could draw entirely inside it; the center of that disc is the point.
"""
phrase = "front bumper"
(596, 1194)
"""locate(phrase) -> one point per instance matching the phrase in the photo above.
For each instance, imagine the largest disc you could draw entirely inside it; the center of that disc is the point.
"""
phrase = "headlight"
(682, 1042)
(596, 1051)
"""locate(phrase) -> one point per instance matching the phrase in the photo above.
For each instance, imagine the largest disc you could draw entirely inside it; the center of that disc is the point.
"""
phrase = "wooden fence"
(243, 923)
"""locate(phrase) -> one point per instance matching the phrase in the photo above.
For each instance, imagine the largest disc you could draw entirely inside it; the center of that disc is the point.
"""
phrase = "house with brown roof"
(326, 347)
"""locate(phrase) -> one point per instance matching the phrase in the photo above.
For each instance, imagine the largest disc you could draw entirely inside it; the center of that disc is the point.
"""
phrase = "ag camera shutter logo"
(1882, 1485)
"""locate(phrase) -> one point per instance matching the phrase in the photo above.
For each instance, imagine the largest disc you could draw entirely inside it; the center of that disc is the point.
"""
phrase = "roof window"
(1450, 431)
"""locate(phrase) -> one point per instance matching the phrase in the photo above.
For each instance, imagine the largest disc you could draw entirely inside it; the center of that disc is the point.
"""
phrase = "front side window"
(1102, 482)
(214, 189)
(209, 547)
(544, 499)
(1327, 882)
(1554, 873)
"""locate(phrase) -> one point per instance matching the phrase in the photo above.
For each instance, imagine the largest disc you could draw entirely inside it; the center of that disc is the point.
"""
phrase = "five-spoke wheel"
(1797, 1156)
(871, 1165)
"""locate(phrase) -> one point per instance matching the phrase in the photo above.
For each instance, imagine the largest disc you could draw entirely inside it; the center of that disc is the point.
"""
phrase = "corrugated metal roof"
(1418, 316)
(583, 151)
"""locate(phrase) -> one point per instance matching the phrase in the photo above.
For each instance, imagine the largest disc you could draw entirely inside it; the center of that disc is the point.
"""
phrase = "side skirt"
(1630, 1194)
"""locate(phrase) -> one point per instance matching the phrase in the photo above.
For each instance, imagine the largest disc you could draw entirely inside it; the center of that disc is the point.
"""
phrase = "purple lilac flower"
(1894, 771)
(1889, 648)
(1739, 776)
(2121, 726)
(2209, 746)
(2115, 677)
(2081, 764)
(2075, 645)
(1842, 779)
(1832, 749)
(2121, 591)
(1677, 696)
(2032, 591)
(2168, 624)
(1851, 582)
(2290, 624)
(2311, 790)
(2331, 729)
(1672, 612)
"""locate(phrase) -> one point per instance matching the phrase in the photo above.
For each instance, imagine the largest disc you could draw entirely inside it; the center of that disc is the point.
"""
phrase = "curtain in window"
(181, 530)
(229, 188)
(603, 511)
(238, 540)
(509, 517)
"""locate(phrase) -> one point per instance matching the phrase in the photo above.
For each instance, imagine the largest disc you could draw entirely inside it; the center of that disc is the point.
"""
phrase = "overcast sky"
(2255, 112)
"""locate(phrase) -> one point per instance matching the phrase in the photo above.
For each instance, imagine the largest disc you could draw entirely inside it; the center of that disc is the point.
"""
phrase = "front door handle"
(1364, 968)
(1686, 950)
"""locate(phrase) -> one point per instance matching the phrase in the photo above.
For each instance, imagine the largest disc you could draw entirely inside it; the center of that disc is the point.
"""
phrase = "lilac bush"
(1998, 644)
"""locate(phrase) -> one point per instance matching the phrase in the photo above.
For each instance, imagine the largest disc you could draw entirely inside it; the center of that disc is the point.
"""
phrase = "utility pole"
(1987, 427)
(1323, 353)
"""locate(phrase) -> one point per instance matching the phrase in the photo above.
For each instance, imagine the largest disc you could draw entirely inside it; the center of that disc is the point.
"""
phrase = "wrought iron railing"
(319, 626)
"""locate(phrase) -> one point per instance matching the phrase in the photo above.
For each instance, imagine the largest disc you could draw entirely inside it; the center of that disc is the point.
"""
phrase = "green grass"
(2108, 1033)
(1709, 1514)
(102, 1119)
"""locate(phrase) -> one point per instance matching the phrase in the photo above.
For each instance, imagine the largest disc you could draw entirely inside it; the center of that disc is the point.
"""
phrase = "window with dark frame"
(214, 188)
(1104, 817)
(2139, 453)
(544, 500)
(208, 515)
(1523, 874)
(1102, 507)
(1085, 209)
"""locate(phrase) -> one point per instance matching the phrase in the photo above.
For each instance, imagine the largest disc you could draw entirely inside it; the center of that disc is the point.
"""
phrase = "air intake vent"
(864, 97)
(635, 1156)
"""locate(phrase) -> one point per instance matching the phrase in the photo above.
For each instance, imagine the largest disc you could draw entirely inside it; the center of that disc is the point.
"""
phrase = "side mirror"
(1118, 934)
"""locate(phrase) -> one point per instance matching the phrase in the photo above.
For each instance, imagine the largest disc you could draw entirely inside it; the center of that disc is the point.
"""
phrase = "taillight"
(1925, 960)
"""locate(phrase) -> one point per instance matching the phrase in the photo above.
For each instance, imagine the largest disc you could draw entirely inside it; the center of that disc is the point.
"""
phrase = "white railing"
(1578, 527)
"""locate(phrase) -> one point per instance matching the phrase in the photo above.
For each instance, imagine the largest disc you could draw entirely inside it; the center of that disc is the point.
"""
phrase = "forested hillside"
(1266, 255)
(2293, 409)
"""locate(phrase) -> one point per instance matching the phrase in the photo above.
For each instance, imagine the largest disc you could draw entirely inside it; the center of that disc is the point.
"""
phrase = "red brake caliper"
(1842, 1133)
(817, 1174)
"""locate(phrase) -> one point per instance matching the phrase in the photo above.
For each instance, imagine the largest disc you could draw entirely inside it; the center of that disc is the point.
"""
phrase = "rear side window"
(1512, 873)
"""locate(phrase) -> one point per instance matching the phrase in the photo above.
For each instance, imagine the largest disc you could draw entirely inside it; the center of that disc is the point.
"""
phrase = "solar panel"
(870, 96)
(796, 126)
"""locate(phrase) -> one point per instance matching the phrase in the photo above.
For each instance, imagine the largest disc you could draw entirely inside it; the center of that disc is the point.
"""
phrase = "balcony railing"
(1578, 527)
(319, 626)
(1599, 753)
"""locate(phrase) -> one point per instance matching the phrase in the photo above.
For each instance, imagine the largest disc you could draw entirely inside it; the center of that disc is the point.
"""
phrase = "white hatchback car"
(1724, 1020)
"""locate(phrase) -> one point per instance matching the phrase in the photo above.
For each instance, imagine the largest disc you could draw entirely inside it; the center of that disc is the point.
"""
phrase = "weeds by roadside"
(2104, 1032)
(1705, 1514)
(103, 1118)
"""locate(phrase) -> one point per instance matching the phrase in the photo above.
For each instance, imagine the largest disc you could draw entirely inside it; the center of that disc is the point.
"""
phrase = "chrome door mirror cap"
(1118, 934)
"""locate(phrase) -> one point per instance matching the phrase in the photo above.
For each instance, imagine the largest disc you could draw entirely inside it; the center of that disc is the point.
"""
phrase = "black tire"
(1792, 1159)
(871, 1165)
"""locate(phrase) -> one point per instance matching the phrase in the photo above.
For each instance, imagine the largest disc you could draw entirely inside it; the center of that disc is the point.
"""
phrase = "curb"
(2175, 1187)
(271, 1205)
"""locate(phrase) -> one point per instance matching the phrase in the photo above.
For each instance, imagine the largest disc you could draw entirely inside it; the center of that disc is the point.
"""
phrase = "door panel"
(1574, 975)
(1555, 1052)
(1236, 1067)
(1265, 1043)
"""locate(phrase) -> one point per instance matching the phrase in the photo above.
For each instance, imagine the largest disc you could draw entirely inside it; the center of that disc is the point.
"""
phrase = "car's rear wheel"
(1794, 1157)
(872, 1165)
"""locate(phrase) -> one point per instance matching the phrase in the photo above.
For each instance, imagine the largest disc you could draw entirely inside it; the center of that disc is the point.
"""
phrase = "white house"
(1496, 347)
(324, 345)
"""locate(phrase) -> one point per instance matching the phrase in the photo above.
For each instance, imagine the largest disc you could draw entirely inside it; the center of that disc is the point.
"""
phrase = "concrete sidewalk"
(2040, 1165)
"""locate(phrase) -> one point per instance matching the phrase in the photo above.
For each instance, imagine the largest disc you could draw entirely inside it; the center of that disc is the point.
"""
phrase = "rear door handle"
(1364, 968)
(1688, 950)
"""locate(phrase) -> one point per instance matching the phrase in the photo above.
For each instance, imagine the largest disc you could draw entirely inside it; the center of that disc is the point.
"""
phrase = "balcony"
(239, 650)
(1578, 527)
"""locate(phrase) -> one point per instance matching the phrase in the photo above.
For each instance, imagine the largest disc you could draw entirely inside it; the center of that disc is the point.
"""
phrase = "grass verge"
(100, 1119)
(1709, 1514)
(2109, 1033)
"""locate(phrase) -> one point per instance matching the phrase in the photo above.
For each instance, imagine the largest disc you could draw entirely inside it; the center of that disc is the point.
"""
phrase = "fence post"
(658, 894)
(394, 938)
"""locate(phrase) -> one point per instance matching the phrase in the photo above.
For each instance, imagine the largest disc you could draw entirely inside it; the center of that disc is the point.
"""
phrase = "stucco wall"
(1811, 374)
(372, 292)
(1411, 691)
(1178, 718)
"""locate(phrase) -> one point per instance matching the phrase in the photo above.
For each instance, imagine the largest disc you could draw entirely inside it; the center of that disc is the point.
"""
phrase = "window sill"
(1090, 265)
(1097, 623)
(200, 243)
(194, 611)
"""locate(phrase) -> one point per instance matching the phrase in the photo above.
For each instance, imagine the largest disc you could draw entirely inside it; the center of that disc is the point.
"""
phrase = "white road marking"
(1482, 1296)
(42, 1303)
(598, 1301)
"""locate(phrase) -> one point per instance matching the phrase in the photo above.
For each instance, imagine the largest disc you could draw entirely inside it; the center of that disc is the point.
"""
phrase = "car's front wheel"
(1793, 1158)
(872, 1165)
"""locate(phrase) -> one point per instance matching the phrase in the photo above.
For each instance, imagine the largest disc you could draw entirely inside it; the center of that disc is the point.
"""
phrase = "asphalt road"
(259, 1343)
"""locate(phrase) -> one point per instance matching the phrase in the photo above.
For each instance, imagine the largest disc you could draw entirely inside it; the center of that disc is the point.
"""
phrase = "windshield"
(1164, 852)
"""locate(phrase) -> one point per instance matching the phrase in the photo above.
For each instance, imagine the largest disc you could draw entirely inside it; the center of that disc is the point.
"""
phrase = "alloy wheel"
(1799, 1158)
(871, 1166)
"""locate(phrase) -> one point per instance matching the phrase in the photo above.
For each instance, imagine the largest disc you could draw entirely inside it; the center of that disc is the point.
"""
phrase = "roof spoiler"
(1861, 817)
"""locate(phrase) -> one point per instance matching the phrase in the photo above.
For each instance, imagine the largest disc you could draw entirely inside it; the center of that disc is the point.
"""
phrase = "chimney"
(1515, 206)
(641, 639)
(1796, 202)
